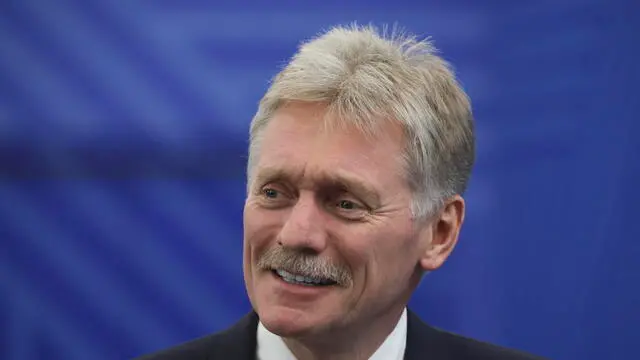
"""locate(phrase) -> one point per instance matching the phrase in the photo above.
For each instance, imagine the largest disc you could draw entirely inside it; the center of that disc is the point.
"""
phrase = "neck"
(358, 342)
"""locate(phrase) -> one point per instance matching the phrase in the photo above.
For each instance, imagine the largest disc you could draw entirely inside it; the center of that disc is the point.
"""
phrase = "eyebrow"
(270, 174)
(341, 180)
(351, 184)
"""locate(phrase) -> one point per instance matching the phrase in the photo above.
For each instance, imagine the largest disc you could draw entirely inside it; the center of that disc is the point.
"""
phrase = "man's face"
(334, 206)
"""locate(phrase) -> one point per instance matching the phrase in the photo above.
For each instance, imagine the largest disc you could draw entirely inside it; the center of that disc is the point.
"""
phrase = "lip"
(301, 291)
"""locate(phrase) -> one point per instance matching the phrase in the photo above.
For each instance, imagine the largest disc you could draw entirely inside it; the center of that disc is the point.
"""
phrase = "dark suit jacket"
(423, 342)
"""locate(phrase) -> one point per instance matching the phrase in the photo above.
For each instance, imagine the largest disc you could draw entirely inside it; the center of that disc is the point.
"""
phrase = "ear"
(444, 229)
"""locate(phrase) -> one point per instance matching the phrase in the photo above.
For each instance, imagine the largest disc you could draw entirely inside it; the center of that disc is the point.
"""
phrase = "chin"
(292, 323)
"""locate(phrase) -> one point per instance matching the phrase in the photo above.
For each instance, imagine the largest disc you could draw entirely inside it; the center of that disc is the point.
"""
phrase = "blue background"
(123, 134)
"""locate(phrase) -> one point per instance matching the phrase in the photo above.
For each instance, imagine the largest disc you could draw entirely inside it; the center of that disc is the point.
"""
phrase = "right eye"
(273, 197)
(270, 193)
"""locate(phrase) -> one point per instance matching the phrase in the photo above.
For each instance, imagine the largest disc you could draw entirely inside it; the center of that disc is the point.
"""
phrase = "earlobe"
(443, 231)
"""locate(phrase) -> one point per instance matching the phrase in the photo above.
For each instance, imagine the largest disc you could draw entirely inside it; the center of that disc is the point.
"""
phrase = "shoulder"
(237, 341)
(423, 340)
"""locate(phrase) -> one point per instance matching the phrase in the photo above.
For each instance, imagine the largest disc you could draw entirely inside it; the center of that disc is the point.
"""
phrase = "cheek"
(352, 243)
(251, 226)
(260, 228)
(256, 240)
(393, 258)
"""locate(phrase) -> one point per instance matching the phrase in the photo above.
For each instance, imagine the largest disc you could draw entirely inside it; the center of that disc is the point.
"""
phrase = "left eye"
(347, 205)
(349, 209)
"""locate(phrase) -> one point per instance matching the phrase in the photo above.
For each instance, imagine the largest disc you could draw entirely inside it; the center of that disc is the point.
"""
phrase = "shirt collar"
(271, 346)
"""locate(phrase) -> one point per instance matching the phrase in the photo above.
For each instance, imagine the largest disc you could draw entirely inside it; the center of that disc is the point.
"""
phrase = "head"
(360, 152)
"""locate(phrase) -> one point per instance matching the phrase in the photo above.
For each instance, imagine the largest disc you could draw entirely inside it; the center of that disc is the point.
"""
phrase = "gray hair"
(366, 77)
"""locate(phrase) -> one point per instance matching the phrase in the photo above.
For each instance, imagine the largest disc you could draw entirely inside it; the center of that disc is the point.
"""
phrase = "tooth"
(299, 279)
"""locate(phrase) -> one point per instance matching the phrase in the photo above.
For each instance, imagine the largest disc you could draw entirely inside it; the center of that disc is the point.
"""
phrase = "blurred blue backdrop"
(123, 133)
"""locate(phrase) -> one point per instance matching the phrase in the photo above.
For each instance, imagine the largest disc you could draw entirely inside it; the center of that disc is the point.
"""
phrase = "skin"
(340, 196)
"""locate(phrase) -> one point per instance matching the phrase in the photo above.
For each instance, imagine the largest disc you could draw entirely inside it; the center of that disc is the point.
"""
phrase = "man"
(360, 151)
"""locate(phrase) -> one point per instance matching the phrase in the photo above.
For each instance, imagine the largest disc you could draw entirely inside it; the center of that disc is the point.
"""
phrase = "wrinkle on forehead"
(329, 121)
(297, 139)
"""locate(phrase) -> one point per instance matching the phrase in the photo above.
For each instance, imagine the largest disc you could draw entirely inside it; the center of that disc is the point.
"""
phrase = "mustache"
(301, 262)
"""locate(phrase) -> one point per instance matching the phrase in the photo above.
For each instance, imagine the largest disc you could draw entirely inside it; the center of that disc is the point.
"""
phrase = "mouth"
(302, 280)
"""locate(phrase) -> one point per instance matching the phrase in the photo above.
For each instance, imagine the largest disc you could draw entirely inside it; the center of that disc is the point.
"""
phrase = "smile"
(302, 280)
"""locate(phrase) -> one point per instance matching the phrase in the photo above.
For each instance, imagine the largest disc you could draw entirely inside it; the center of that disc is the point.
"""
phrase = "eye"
(350, 209)
(273, 197)
(347, 205)
(270, 193)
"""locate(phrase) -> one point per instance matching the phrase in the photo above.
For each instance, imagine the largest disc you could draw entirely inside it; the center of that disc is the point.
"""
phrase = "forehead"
(297, 141)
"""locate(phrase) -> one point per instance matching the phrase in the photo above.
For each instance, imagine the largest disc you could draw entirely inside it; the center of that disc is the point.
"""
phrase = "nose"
(304, 228)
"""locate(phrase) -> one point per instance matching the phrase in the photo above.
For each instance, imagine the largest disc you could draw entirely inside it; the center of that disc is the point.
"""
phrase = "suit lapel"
(423, 341)
(238, 342)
